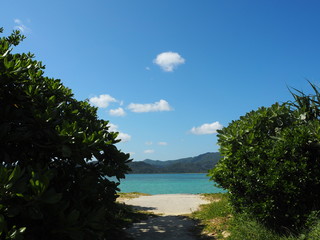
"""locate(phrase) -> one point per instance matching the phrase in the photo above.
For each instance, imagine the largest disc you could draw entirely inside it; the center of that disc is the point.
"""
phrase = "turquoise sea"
(168, 183)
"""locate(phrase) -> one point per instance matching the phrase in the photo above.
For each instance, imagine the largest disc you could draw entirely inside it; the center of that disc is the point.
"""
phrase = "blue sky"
(167, 74)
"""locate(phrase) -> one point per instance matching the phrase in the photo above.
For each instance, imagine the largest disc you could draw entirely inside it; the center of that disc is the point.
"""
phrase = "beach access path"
(170, 222)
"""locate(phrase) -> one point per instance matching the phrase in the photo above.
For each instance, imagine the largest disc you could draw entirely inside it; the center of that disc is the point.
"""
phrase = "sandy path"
(169, 225)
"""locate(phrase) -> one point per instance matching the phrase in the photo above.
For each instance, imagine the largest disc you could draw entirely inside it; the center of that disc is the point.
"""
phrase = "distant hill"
(198, 164)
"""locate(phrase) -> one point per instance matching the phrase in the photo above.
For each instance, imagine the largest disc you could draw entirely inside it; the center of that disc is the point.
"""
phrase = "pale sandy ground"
(170, 225)
(168, 204)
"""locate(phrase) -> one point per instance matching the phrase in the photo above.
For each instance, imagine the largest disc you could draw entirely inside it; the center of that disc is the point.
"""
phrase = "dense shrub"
(49, 186)
(271, 162)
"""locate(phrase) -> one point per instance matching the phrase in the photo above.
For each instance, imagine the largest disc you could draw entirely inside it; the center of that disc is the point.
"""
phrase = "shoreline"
(148, 194)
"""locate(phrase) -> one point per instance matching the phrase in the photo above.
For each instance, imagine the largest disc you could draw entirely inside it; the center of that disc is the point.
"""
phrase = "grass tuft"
(131, 195)
(215, 216)
(243, 227)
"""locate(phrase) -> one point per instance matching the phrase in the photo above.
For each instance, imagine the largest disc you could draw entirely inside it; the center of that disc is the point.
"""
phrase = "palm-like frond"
(307, 104)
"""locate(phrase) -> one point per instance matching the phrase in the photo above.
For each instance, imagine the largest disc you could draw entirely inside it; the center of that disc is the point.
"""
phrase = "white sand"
(168, 204)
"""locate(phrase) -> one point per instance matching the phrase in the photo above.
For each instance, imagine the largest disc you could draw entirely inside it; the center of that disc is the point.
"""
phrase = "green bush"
(49, 186)
(271, 162)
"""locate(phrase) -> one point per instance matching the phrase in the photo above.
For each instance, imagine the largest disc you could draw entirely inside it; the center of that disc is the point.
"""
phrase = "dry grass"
(213, 197)
(123, 196)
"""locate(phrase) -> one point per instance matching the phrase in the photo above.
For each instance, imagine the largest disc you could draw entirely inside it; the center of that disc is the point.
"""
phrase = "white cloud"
(113, 127)
(124, 137)
(149, 143)
(102, 101)
(20, 26)
(162, 143)
(168, 61)
(119, 112)
(160, 106)
(148, 151)
(207, 128)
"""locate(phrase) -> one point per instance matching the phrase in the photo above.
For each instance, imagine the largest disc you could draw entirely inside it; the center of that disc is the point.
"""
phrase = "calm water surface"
(168, 183)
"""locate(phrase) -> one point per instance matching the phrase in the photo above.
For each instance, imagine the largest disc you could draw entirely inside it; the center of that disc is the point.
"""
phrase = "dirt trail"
(169, 225)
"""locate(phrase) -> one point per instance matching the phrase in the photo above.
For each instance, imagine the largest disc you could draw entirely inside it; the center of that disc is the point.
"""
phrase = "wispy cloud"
(20, 26)
(160, 106)
(148, 151)
(148, 143)
(119, 112)
(124, 137)
(102, 101)
(168, 61)
(162, 143)
(207, 128)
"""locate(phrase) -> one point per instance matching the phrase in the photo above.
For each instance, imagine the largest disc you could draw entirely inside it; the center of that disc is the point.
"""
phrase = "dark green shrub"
(49, 186)
(271, 162)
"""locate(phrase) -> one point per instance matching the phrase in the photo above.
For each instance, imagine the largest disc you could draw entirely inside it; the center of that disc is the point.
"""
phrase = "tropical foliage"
(271, 162)
(49, 186)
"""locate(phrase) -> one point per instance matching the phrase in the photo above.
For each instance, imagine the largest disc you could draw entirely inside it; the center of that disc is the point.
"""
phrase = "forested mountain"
(198, 164)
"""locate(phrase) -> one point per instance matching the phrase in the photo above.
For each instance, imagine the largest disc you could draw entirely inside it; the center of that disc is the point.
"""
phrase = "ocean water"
(168, 183)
